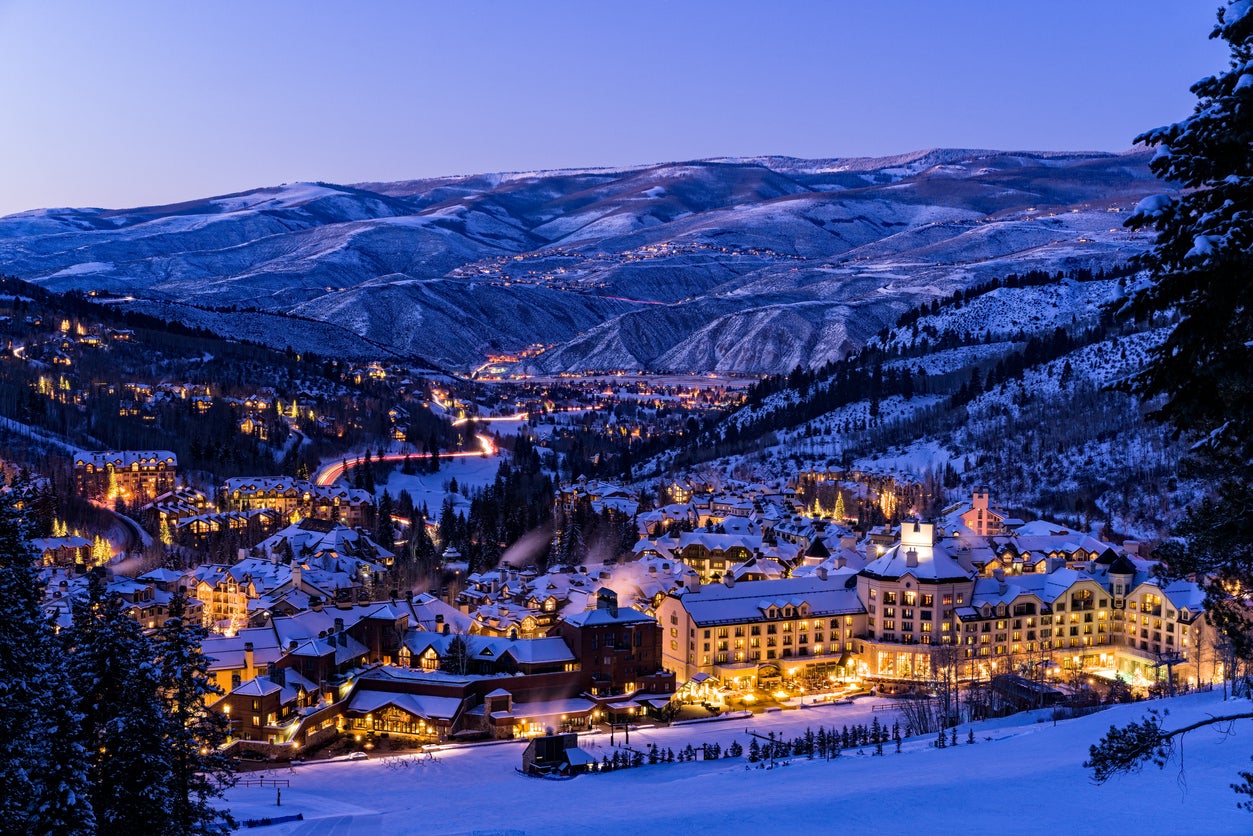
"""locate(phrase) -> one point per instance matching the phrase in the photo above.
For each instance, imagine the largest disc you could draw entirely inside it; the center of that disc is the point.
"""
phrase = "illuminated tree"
(100, 551)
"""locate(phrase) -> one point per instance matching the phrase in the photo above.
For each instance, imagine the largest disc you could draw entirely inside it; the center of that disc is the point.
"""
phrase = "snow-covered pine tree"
(124, 724)
(42, 761)
(201, 771)
(1200, 266)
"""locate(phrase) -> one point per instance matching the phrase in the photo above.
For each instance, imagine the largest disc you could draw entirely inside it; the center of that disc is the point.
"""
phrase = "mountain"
(753, 265)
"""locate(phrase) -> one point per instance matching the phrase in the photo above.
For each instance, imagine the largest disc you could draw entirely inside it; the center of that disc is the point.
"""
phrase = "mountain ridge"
(723, 265)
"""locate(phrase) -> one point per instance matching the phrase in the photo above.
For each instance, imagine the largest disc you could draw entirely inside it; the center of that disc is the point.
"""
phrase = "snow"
(470, 471)
(1034, 783)
(84, 268)
(1202, 247)
(1236, 12)
(1153, 205)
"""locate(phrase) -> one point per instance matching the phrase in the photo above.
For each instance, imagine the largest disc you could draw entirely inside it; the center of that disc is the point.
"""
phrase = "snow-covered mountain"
(730, 265)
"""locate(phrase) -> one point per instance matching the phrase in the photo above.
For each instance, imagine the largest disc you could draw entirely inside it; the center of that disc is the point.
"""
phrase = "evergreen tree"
(200, 770)
(1200, 266)
(43, 776)
(385, 530)
(123, 722)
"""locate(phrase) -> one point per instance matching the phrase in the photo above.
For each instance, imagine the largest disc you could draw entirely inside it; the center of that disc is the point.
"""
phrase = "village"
(732, 598)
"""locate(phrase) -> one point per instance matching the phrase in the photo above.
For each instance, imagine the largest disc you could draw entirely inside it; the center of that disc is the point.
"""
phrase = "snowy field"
(1023, 776)
(472, 471)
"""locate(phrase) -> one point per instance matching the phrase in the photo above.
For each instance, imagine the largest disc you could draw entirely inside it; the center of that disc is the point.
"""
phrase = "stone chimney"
(297, 574)
(911, 559)
(821, 572)
(339, 625)
(607, 599)
(728, 580)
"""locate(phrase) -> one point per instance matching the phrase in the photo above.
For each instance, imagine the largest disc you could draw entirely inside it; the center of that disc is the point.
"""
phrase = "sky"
(129, 103)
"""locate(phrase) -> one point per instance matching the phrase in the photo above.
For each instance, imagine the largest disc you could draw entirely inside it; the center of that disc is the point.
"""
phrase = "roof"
(365, 701)
(603, 616)
(934, 564)
(719, 604)
(125, 458)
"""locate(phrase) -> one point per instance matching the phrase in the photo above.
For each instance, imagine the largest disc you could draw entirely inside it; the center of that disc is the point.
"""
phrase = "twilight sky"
(130, 103)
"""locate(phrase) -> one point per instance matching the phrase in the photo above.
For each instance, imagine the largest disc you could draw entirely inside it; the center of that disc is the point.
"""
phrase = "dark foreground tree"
(1202, 273)
(124, 723)
(43, 775)
(200, 771)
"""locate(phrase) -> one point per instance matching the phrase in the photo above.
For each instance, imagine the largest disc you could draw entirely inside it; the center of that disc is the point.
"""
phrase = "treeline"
(518, 501)
(105, 729)
(1032, 278)
(870, 375)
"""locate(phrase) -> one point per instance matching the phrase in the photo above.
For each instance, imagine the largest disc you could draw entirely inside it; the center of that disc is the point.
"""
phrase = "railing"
(263, 782)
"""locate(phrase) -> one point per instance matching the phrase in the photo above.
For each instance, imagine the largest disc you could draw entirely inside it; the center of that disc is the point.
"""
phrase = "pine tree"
(123, 722)
(1200, 266)
(201, 771)
(43, 776)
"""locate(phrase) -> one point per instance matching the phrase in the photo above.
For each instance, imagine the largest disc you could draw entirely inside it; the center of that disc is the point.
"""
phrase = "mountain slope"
(749, 265)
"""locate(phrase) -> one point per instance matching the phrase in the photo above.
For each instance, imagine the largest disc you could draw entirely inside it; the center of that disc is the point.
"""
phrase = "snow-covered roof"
(748, 601)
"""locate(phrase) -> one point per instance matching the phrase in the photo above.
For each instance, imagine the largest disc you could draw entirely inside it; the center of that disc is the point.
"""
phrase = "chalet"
(67, 551)
(137, 476)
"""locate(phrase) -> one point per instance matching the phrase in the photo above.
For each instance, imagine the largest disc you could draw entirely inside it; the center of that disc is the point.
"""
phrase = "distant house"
(63, 551)
(133, 475)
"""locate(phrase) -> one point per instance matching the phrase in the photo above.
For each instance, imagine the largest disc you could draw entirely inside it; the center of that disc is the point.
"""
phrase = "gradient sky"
(124, 103)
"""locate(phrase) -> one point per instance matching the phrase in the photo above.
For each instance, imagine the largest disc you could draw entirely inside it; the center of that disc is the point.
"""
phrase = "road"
(328, 474)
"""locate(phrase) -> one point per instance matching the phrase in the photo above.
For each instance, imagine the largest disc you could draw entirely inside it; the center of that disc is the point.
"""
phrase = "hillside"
(1020, 760)
(1010, 384)
(751, 265)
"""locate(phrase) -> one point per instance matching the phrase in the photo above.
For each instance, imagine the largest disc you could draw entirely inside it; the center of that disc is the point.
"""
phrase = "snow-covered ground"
(1025, 775)
(471, 471)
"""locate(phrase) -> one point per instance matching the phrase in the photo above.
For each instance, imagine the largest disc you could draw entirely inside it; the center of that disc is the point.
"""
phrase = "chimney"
(292, 645)
(607, 599)
(339, 625)
(248, 656)
(999, 574)
(911, 559)
(447, 629)
(315, 603)
(821, 572)
(439, 620)
(849, 543)
(1131, 547)
(296, 574)
(727, 580)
